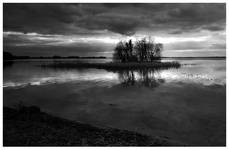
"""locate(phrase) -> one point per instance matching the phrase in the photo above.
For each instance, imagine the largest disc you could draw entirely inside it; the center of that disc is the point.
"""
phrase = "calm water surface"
(186, 104)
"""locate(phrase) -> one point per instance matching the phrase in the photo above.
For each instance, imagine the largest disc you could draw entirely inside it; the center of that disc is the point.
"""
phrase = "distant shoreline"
(215, 57)
(69, 57)
(101, 57)
(9, 56)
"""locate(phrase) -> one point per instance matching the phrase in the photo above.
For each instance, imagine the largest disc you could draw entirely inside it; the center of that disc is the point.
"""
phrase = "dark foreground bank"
(28, 126)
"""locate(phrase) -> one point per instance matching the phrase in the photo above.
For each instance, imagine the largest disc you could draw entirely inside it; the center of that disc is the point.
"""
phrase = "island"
(127, 55)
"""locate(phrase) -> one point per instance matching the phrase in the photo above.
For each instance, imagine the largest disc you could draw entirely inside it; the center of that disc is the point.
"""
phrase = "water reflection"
(206, 72)
(143, 77)
(188, 103)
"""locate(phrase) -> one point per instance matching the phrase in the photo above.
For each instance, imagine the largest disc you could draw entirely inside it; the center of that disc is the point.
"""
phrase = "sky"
(184, 29)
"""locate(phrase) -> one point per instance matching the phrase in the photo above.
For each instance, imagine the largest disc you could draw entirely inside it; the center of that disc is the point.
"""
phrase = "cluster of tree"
(141, 51)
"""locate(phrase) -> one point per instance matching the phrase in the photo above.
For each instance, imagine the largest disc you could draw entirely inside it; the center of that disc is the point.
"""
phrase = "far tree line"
(141, 51)
(9, 56)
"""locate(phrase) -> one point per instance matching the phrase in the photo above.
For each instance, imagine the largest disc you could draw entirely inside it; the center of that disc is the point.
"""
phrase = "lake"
(187, 104)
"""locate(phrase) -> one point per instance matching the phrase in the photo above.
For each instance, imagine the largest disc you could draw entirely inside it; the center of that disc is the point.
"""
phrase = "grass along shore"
(28, 126)
(114, 65)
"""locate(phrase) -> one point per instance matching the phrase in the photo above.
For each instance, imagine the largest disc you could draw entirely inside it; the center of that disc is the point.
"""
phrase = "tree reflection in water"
(142, 77)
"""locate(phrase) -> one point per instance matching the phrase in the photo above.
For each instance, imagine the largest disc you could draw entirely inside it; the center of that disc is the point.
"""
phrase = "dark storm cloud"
(214, 27)
(40, 18)
(118, 18)
(38, 29)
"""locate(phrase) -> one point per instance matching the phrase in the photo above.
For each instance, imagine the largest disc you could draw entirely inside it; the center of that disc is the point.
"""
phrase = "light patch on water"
(64, 78)
(177, 76)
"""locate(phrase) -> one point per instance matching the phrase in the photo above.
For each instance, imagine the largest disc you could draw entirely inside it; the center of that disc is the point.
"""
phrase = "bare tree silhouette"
(141, 51)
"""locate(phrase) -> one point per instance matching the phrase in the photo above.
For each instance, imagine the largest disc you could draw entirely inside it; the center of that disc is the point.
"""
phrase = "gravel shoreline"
(28, 126)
